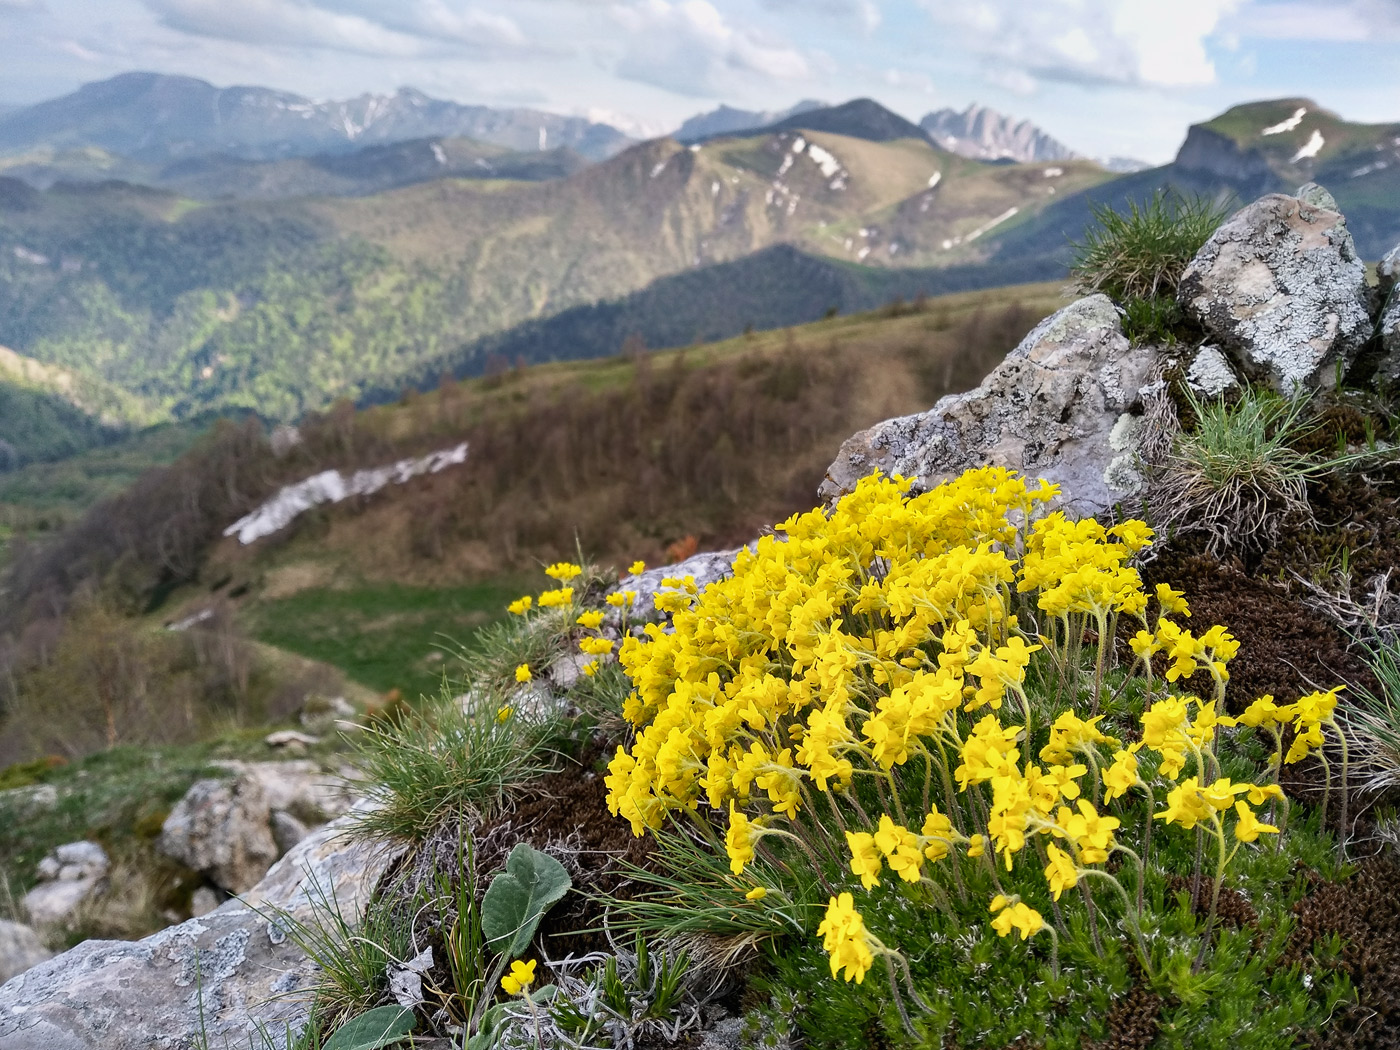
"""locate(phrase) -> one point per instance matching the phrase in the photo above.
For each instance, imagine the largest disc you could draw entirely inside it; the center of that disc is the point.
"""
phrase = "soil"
(566, 815)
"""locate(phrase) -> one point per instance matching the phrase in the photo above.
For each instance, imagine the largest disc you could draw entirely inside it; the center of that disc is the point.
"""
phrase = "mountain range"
(359, 271)
(155, 117)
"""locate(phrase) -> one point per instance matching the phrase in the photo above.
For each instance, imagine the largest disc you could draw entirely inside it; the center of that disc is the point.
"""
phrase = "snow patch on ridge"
(1311, 148)
(1286, 125)
(331, 486)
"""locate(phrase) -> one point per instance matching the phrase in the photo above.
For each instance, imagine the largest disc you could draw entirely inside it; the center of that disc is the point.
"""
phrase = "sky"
(1106, 77)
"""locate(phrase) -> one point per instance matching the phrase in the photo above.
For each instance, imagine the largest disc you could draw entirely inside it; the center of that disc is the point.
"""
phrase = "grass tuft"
(1141, 253)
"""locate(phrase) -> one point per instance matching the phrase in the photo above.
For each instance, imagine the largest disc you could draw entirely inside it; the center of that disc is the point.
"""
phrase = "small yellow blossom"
(521, 976)
(1247, 828)
(846, 939)
(503, 713)
(563, 571)
(590, 620)
(1015, 916)
(637, 568)
(522, 673)
(589, 669)
(595, 646)
(756, 894)
(556, 598)
(520, 606)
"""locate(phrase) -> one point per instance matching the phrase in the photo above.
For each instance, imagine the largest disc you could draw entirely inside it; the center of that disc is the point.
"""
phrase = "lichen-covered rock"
(1281, 288)
(20, 949)
(228, 972)
(1210, 372)
(69, 876)
(1049, 410)
(228, 828)
(1389, 270)
(1388, 368)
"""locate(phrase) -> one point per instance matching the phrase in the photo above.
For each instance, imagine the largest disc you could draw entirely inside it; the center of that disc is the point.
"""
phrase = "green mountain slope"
(372, 169)
(284, 306)
(1231, 157)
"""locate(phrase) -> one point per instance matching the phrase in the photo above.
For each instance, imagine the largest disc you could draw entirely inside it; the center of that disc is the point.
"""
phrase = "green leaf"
(373, 1029)
(518, 898)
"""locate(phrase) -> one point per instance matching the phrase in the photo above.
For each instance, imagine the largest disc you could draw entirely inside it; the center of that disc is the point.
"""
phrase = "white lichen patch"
(1210, 373)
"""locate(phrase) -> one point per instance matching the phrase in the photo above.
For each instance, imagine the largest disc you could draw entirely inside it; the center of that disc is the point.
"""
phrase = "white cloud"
(1337, 21)
(402, 30)
(867, 12)
(1139, 42)
(690, 48)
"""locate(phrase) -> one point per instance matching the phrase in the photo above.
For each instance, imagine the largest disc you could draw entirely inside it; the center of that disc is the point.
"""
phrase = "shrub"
(1142, 253)
(826, 699)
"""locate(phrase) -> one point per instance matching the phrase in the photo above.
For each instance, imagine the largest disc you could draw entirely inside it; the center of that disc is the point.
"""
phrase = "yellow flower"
(1018, 916)
(521, 976)
(1172, 601)
(590, 669)
(1122, 776)
(591, 620)
(846, 939)
(1247, 828)
(504, 713)
(637, 568)
(756, 894)
(556, 598)
(520, 606)
(1061, 872)
(865, 858)
(977, 845)
(522, 673)
(740, 838)
(563, 571)
(620, 598)
(595, 646)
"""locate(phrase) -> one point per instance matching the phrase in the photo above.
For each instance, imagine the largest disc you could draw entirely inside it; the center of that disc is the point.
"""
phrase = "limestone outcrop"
(233, 972)
(1050, 409)
(69, 877)
(1279, 286)
(233, 829)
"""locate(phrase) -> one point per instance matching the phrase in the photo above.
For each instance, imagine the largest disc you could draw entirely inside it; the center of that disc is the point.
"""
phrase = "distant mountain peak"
(727, 120)
(984, 134)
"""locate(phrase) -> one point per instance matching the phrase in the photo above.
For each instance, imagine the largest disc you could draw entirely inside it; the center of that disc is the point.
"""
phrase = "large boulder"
(233, 829)
(231, 974)
(20, 949)
(1056, 408)
(1280, 287)
(70, 876)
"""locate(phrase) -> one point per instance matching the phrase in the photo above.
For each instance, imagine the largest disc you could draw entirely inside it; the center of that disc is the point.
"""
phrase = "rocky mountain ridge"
(984, 134)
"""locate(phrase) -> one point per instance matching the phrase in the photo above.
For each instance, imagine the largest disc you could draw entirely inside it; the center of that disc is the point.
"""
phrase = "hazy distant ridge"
(154, 117)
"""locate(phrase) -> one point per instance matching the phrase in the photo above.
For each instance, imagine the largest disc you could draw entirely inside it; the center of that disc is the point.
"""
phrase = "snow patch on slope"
(1311, 148)
(331, 486)
(1287, 125)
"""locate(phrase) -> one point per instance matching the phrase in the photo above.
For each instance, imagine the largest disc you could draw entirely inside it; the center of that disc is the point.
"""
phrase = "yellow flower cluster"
(899, 629)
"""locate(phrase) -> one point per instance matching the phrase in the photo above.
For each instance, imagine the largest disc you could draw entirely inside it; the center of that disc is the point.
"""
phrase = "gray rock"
(1317, 196)
(20, 949)
(1048, 410)
(224, 827)
(1210, 373)
(1389, 270)
(287, 831)
(70, 876)
(1388, 368)
(291, 741)
(321, 714)
(706, 567)
(1281, 288)
(203, 901)
(231, 970)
